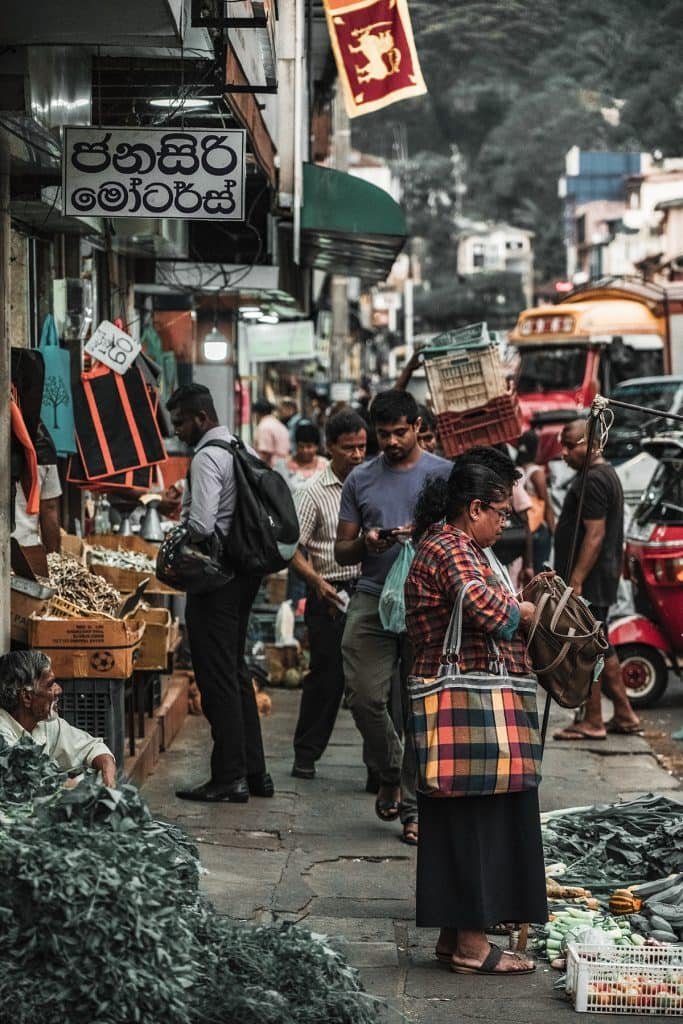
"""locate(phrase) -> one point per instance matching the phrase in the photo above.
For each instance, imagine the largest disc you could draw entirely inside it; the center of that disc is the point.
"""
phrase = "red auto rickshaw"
(650, 643)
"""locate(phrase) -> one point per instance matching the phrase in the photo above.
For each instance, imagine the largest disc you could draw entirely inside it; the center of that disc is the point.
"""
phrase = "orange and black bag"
(116, 424)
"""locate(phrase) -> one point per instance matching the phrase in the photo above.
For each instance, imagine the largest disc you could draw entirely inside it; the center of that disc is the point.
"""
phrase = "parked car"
(629, 427)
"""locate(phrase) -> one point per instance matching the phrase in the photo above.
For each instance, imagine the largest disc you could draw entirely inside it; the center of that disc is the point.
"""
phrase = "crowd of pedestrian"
(479, 859)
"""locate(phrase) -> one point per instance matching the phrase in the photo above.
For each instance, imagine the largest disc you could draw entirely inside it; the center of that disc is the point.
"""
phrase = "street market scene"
(342, 542)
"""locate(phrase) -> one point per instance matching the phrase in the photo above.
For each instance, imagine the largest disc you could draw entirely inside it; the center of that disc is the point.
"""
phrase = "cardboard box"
(23, 605)
(88, 648)
(126, 580)
(156, 640)
(276, 587)
(73, 546)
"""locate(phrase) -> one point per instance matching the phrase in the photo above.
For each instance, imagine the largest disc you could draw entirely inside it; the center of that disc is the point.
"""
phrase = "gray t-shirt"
(376, 494)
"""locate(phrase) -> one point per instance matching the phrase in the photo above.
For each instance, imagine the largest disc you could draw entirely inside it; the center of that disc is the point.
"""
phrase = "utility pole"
(5, 383)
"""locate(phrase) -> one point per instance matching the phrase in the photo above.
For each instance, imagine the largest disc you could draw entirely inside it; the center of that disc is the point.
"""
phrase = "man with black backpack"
(217, 619)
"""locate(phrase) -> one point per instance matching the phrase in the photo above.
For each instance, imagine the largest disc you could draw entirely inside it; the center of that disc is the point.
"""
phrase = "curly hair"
(469, 480)
(20, 670)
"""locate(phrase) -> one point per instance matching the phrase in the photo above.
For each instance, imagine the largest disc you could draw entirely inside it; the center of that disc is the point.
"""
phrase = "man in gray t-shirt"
(380, 496)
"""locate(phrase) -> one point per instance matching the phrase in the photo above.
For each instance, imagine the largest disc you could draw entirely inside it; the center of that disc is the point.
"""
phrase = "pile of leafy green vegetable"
(613, 844)
(101, 920)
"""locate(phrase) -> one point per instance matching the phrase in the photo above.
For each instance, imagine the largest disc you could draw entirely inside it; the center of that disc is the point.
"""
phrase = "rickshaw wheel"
(644, 672)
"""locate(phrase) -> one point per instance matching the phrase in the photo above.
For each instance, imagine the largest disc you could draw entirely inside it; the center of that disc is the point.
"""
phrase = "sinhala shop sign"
(154, 172)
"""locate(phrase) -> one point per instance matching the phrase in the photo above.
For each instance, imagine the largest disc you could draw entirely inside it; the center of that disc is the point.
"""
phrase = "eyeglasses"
(503, 514)
(569, 445)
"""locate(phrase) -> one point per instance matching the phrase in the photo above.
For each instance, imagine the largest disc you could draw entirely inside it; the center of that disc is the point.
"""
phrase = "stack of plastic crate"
(469, 391)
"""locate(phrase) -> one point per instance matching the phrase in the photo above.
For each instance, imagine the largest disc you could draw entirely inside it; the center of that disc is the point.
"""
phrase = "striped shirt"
(317, 506)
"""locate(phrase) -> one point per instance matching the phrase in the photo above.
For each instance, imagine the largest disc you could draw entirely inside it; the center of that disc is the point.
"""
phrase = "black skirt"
(480, 861)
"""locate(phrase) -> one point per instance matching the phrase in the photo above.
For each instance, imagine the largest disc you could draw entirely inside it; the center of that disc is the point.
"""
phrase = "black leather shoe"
(261, 785)
(236, 792)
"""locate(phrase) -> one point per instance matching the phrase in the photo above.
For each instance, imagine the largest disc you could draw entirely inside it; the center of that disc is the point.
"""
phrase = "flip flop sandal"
(387, 810)
(573, 735)
(409, 836)
(623, 730)
(488, 966)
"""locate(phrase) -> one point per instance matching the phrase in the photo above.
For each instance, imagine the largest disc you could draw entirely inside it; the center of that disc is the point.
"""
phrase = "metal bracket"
(257, 22)
(270, 88)
(199, 21)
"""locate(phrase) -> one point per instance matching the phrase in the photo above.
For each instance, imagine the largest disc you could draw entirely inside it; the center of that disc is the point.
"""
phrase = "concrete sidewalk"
(317, 854)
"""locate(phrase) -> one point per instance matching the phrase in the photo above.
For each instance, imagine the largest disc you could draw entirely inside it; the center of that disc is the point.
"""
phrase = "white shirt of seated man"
(29, 703)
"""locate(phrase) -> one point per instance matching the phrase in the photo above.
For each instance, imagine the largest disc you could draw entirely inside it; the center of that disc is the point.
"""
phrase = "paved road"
(317, 854)
(663, 720)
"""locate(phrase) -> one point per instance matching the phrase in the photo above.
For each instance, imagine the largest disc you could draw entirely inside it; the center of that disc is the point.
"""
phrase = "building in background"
(486, 248)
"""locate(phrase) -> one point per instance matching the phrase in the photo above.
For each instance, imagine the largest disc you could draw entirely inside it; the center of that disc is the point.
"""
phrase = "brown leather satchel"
(565, 641)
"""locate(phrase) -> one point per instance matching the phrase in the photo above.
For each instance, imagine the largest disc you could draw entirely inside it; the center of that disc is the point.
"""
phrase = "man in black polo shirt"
(596, 570)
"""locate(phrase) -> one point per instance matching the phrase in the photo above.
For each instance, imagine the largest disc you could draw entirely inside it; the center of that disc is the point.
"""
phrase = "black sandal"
(409, 836)
(490, 963)
(387, 810)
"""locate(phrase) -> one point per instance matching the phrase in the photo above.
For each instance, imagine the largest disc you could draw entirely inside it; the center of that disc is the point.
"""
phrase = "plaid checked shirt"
(446, 558)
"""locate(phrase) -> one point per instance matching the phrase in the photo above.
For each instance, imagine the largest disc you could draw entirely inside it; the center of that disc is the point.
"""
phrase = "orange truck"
(598, 336)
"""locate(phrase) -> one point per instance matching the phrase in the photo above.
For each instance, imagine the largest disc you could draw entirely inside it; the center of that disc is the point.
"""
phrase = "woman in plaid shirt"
(480, 858)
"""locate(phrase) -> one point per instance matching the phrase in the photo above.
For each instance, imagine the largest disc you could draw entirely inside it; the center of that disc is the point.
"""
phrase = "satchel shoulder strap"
(571, 636)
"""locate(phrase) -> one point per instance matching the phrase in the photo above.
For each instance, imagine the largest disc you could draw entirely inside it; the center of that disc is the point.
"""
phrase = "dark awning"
(349, 226)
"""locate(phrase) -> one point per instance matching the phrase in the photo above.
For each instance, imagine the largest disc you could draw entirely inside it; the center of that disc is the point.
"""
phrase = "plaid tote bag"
(475, 733)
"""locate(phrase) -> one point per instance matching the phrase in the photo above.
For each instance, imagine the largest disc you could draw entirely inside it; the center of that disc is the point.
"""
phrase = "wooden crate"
(156, 640)
(88, 648)
(126, 580)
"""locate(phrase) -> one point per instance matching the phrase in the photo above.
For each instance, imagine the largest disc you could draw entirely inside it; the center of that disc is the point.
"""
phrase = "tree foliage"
(515, 83)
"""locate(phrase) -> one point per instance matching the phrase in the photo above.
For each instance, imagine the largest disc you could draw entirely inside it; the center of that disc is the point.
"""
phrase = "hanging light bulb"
(216, 347)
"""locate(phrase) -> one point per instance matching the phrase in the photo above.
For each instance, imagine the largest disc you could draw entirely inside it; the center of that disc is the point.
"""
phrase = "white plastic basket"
(626, 979)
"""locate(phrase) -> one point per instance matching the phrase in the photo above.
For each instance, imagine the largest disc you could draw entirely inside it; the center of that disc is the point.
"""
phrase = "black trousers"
(323, 685)
(217, 627)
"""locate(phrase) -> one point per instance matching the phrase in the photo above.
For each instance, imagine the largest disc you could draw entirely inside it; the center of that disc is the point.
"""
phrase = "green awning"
(349, 226)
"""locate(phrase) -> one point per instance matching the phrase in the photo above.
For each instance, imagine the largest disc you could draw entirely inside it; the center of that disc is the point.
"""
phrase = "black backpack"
(264, 534)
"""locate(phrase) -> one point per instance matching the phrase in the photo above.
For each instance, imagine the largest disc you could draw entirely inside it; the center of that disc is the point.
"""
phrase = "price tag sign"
(113, 347)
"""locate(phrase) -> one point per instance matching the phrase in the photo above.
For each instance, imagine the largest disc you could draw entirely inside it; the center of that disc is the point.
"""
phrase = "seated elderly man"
(29, 697)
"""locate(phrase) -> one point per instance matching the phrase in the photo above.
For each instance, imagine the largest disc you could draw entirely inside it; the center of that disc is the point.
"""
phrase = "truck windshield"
(551, 369)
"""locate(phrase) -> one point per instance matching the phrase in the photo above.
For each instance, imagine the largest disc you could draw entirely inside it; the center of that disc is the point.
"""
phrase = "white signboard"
(275, 343)
(154, 172)
(341, 391)
(113, 347)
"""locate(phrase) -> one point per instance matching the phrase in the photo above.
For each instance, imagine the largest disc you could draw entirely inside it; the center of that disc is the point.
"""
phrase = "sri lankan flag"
(375, 53)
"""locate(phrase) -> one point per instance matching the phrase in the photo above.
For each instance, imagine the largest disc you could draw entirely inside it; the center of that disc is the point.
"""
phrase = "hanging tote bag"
(57, 410)
(115, 421)
(476, 733)
(392, 602)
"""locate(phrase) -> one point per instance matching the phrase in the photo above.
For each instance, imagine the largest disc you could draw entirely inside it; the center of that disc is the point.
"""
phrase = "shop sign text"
(154, 172)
